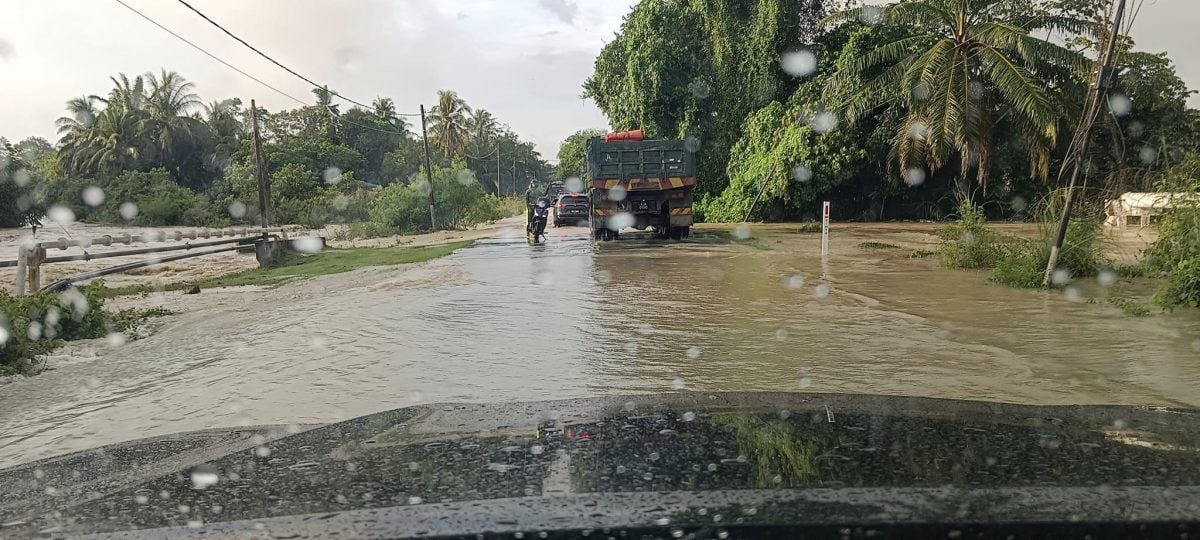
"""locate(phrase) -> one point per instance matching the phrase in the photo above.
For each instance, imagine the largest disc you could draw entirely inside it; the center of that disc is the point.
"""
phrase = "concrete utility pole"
(264, 186)
(428, 169)
(497, 168)
(1099, 90)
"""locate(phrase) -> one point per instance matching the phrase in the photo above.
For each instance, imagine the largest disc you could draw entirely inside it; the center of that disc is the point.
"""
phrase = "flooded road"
(505, 321)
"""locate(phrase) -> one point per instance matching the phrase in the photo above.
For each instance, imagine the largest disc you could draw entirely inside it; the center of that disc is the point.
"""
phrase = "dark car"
(571, 209)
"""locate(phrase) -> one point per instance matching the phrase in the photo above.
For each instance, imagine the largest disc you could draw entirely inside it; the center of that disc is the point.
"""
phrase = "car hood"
(625, 461)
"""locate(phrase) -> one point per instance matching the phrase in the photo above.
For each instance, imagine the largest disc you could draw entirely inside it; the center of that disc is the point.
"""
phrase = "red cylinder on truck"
(631, 135)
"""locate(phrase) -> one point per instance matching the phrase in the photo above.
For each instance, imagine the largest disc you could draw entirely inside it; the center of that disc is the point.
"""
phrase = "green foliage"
(572, 153)
(34, 324)
(969, 242)
(1176, 253)
(777, 454)
(1023, 263)
(400, 207)
(1183, 286)
(368, 229)
(20, 186)
(1129, 307)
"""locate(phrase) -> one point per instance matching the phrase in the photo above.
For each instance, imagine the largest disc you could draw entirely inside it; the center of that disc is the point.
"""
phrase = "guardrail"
(31, 257)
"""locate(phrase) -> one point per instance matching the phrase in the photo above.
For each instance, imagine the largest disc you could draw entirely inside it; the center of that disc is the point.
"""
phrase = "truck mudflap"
(682, 217)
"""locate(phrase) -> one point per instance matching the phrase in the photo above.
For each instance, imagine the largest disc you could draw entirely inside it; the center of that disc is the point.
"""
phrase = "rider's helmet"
(543, 202)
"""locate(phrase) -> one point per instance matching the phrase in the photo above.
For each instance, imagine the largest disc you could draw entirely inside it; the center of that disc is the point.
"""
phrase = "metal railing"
(31, 257)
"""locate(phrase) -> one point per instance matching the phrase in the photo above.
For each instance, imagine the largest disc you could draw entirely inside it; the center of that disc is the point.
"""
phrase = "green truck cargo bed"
(638, 159)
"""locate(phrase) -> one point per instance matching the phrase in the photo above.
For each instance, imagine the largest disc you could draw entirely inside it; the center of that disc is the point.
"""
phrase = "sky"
(523, 60)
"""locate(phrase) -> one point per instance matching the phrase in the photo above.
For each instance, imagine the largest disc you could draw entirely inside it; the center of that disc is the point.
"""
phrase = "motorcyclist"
(536, 218)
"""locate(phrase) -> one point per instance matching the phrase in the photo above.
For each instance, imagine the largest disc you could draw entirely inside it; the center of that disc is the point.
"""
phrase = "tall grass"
(969, 242)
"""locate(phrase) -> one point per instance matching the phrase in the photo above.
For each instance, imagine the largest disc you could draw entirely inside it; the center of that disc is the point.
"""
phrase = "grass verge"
(293, 265)
(877, 245)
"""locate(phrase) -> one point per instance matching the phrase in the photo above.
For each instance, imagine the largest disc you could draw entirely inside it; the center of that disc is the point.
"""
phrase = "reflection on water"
(506, 321)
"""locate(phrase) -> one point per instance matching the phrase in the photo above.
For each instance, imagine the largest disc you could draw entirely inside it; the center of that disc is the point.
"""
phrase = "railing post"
(35, 269)
(22, 266)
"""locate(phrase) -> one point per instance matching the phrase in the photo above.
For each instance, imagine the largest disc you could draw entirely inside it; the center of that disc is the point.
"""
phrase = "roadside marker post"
(825, 229)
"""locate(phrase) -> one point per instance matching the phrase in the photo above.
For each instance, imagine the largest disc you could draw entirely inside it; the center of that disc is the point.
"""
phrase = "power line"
(210, 55)
(276, 62)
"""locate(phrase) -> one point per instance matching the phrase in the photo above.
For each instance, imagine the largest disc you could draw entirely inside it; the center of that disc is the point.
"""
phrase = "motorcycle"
(537, 223)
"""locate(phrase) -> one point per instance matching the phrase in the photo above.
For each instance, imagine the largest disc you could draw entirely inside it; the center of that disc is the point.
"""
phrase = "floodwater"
(506, 321)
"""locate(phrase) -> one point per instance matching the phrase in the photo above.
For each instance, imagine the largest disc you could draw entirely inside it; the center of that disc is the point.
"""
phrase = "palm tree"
(385, 111)
(171, 95)
(82, 115)
(167, 106)
(482, 125)
(449, 123)
(961, 67)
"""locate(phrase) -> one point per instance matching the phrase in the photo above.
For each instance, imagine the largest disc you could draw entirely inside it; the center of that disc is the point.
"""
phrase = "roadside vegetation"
(36, 324)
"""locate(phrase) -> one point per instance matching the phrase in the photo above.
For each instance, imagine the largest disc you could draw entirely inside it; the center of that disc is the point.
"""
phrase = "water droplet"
(332, 175)
(1120, 105)
(722, 534)
(61, 215)
(237, 210)
(92, 196)
(689, 416)
(645, 329)
(574, 184)
(677, 533)
(920, 92)
(1018, 204)
(308, 244)
(202, 478)
(917, 131)
(870, 15)
(662, 521)
(1147, 155)
(536, 449)
(691, 143)
(914, 176)
(128, 211)
(800, 63)
(618, 193)
(742, 231)
(804, 382)
(1060, 277)
(543, 277)
(820, 290)
(183, 508)
(414, 500)
(141, 499)
(620, 221)
(3, 335)
(1107, 278)
(693, 352)
(654, 456)
(114, 339)
(603, 276)
(262, 451)
(700, 89)
(824, 122)
(781, 334)
(801, 173)
(1072, 293)
(677, 383)
(793, 281)
(21, 178)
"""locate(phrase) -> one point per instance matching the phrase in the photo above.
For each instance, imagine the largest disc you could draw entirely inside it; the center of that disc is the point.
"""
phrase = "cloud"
(565, 10)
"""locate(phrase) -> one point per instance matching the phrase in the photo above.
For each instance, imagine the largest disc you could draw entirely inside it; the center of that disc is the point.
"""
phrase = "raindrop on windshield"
(3, 335)
(742, 231)
(781, 334)
(92, 196)
(603, 276)
(1072, 293)
(61, 214)
(700, 89)
(661, 521)
(801, 173)
(617, 193)
(1107, 278)
(543, 277)
(1147, 155)
(1119, 104)
(414, 500)
(1060, 276)
(693, 352)
(21, 178)
(917, 131)
(677, 383)
(141, 499)
(308, 244)
(804, 382)
(870, 15)
(801, 63)
(914, 176)
(645, 329)
(202, 478)
(920, 92)
(128, 211)
(1018, 204)
(114, 339)
(574, 184)
(262, 451)
(689, 416)
(691, 143)
(820, 290)
(237, 210)
(620, 221)
(332, 175)
(824, 122)
(465, 177)
(793, 281)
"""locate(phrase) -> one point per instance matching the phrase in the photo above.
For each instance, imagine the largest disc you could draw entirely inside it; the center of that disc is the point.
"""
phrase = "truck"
(640, 183)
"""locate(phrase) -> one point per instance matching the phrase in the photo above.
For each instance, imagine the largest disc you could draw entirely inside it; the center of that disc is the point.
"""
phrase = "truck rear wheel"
(680, 233)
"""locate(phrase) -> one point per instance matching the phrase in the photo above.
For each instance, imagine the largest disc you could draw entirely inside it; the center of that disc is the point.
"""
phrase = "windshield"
(265, 219)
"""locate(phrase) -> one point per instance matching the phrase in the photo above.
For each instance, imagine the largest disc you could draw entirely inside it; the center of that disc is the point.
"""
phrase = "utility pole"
(1083, 135)
(514, 176)
(498, 168)
(264, 187)
(428, 169)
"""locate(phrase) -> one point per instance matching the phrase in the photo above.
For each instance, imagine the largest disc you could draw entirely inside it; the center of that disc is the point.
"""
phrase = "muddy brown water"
(504, 321)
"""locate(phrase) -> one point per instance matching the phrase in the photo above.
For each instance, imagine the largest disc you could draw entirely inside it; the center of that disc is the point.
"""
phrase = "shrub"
(34, 324)
(368, 229)
(1023, 262)
(1183, 285)
(969, 242)
(399, 207)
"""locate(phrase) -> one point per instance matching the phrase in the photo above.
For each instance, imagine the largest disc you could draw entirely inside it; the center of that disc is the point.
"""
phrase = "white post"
(22, 265)
(825, 229)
